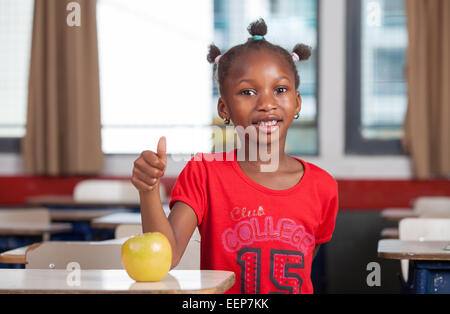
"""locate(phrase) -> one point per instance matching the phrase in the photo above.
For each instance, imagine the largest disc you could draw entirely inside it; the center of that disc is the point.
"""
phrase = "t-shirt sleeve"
(190, 187)
(330, 209)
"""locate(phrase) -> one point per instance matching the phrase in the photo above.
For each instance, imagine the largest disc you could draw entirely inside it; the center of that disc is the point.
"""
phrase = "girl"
(266, 227)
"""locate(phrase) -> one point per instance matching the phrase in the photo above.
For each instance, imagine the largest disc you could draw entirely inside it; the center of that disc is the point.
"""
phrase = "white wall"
(331, 115)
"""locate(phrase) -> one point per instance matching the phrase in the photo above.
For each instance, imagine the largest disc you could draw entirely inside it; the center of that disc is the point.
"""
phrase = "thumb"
(161, 149)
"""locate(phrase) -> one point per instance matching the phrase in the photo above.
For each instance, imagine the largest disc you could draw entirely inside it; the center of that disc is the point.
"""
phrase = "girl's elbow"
(175, 263)
(175, 259)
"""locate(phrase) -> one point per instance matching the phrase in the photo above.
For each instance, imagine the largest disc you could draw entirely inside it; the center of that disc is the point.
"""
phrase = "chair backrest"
(191, 256)
(29, 216)
(422, 229)
(105, 191)
(432, 205)
(89, 255)
(123, 231)
(433, 214)
(109, 191)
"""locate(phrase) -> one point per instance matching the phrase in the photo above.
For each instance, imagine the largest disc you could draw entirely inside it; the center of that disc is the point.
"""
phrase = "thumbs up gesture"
(150, 167)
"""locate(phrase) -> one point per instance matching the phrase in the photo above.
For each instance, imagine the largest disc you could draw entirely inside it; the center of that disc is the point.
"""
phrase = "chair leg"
(408, 286)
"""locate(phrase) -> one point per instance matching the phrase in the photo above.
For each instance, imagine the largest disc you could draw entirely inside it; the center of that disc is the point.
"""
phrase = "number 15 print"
(281, 262)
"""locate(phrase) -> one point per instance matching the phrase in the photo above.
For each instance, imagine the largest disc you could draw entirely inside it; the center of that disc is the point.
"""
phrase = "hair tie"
(217, 59)
(258, 37)
(295, 57)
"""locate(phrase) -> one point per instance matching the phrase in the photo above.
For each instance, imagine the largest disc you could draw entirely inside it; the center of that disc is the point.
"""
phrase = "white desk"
(414, 250)
(114, 220)
(112, 281)
(429, 262)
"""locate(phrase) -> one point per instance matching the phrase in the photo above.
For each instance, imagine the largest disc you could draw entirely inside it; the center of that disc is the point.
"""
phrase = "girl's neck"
(254, 161)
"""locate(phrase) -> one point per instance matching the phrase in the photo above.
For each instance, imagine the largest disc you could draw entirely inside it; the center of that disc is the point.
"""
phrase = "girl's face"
(259, 92)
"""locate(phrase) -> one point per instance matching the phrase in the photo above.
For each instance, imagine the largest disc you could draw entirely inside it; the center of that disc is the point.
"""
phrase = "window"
(376, 88)
(16, 18)
(289, 22)
(154, 76)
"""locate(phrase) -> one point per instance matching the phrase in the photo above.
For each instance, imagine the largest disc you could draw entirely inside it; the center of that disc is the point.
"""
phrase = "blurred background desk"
(429, 263)
(43, 231)
(113, 220)
(397, 214)
(67, 201)
(80, 213)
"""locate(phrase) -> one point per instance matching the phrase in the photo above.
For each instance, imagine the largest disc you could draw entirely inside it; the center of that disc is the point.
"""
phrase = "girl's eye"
(281, 90)
(248, 92)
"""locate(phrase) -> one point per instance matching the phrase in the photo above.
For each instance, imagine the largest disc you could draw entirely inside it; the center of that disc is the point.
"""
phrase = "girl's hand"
(150, 167)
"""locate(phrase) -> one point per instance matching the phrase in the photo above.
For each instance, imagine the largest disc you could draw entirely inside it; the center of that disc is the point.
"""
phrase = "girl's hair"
(257, 30)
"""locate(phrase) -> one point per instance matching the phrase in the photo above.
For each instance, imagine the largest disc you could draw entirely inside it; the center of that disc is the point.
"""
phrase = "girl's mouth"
(267, 127)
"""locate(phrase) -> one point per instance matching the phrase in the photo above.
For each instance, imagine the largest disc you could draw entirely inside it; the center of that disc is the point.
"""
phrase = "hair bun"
(213, 53)
(258, 28)
(303, 51)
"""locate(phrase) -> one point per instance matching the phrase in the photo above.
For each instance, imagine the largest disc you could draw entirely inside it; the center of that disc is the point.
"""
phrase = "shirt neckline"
(264, 189)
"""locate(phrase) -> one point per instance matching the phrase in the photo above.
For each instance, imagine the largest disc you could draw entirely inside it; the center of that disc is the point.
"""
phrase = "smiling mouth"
(267, 126)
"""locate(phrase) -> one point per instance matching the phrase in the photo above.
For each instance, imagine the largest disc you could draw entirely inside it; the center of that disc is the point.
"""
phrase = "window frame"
(355, 143)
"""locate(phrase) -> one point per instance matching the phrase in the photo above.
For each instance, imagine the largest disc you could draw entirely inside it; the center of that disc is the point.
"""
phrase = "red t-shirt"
(266, 237)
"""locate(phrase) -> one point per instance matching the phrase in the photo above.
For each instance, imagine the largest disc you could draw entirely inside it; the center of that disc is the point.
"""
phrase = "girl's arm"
(181, 223)
(178, 227)
(316, 249)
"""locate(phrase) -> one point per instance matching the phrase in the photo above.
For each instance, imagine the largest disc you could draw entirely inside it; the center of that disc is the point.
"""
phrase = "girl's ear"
(298, 102)
(222, 109)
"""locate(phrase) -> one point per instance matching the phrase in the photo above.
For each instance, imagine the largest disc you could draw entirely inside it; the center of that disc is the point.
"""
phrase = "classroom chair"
(191, 256)
(123, 231)
(88, 255)
(21, 218)
(422, 229)
(432, 206)
(423, 207)
(105, 191)
(109, 191)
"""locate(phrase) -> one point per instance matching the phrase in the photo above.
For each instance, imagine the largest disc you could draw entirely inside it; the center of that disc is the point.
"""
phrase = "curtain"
(427, 124)
(63, 131)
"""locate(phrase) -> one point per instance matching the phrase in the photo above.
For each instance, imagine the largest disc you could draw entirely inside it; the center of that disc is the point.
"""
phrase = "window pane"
(134, 139)
(383, 59)
(289, 22)
(135, 107)
(16, 18)
(154, 76)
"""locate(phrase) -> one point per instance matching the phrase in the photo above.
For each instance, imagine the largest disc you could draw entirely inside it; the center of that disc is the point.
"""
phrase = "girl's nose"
(266, 101)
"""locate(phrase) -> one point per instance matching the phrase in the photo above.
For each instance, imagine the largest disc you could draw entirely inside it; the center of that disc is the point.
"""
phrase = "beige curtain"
(427, 124)
(63, 132)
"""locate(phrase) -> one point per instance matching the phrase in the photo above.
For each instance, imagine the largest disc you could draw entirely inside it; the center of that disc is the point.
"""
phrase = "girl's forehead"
(253, 62)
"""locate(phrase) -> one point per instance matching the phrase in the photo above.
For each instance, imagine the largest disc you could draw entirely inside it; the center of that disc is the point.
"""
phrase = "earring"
(297, 116)
(226, 121)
